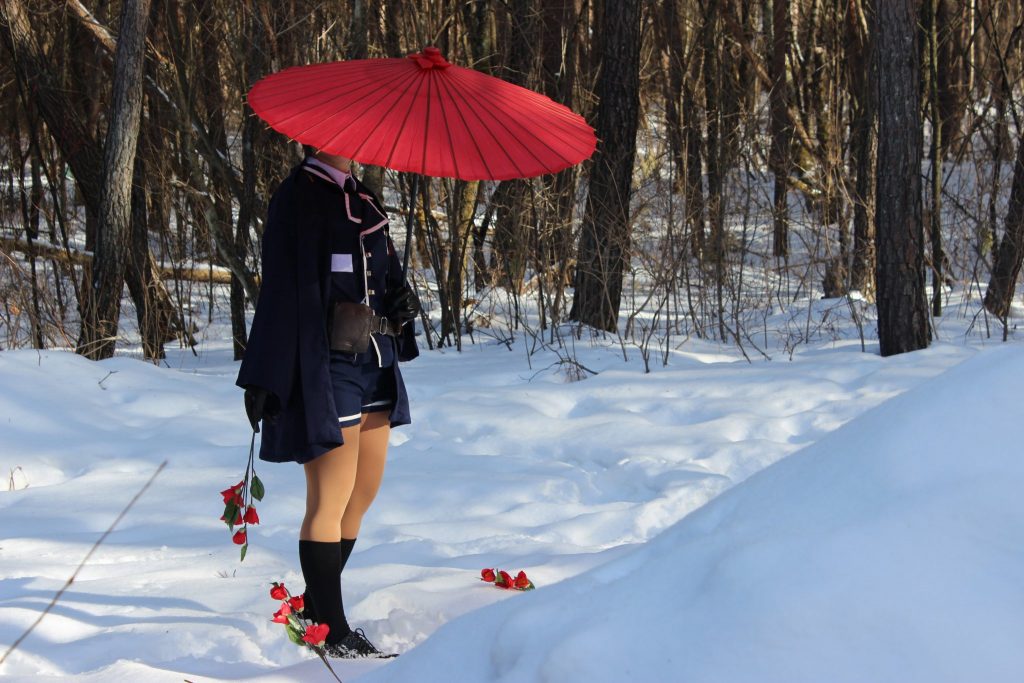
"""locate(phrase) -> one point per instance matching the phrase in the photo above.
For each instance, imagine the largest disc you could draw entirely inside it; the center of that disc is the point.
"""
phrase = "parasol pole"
(409, 221)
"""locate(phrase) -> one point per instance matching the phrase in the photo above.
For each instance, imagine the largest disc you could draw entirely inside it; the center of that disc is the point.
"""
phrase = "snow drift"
(889, 550)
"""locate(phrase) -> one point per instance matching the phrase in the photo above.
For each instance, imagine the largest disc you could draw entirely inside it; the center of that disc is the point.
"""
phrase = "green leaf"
(294, 635)
(256, 488)
(244, 548)
(232, 512)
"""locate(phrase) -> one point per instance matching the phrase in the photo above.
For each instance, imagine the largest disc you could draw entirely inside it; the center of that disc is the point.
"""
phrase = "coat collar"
(346, 181)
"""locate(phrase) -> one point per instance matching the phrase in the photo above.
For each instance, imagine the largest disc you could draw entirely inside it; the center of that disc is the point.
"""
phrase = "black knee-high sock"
(321, 566)
(345, 546)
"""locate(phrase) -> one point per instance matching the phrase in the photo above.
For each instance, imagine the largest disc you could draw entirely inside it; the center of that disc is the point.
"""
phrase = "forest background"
(751, 154)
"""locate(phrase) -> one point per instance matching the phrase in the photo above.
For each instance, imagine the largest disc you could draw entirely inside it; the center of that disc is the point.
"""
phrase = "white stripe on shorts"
(375, 404)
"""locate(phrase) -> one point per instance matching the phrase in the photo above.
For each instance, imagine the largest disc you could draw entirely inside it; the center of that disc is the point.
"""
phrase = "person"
(320, 369)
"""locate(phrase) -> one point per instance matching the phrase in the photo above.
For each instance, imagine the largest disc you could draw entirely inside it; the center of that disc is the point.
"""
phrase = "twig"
(11, 486)
(71, 580)
(323, 658)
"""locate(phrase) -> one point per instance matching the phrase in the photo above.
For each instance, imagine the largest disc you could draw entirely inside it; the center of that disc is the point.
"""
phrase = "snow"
(836, 517)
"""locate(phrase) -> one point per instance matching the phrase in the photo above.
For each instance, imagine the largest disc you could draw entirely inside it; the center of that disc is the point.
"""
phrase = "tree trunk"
(135, 270)
(214, 109)
(936, 154)
(693, 170)
(715, 154)
(512, 225)
(953, 24)
(902, 308)
(671, 45)
(76, 143)
(254, 69)
(358, 48)
(778, 98)
(863, 145)
(463, 198)
(560, 44)
(103, 309)
(1010, 253)
(604, 240)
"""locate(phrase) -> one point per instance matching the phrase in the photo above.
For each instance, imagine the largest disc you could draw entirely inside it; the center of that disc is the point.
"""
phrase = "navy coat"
(288, 353)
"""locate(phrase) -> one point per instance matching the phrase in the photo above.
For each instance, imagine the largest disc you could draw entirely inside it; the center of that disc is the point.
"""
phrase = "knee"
(325, 508)
(358, 504)
(361, 499)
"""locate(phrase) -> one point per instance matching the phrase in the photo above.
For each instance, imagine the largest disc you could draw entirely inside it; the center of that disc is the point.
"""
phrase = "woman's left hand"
(402, 304)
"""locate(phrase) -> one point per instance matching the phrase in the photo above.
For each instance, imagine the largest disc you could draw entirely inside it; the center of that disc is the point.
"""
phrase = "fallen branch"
(216, 274)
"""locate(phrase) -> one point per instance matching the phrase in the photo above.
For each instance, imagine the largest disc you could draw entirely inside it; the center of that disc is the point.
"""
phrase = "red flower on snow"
(316, 634)
(279, 592)
(297, 603)
(503, 579)
(239, 537)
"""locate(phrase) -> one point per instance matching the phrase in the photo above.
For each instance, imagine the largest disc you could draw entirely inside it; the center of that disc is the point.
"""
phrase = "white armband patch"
(341, 263)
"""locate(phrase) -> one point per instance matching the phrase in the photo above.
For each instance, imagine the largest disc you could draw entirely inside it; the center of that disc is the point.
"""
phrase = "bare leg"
(329, 482)
(373, 451)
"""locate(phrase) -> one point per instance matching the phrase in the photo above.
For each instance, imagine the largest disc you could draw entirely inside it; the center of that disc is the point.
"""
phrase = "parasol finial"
(430, 58)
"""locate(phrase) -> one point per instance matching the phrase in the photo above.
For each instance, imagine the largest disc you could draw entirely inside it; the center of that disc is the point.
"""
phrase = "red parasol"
(423, 115)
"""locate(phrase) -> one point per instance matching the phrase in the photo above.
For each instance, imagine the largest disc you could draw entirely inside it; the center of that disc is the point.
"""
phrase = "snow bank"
(841, 562)
(889, 550)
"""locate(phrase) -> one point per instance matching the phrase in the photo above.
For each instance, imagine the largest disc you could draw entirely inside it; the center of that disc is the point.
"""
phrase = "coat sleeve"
(407, 348)
(270, 355)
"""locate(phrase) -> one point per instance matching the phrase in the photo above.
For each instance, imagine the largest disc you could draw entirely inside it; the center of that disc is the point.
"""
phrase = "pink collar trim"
(343, 180)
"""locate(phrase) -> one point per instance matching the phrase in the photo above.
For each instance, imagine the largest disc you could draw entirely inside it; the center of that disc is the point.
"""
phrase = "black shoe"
(355, 646)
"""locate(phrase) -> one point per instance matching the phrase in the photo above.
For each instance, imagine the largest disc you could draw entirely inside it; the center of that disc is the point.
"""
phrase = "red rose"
(505, 581)
(521, 582)
(297, 603)
(281, 615)
(239, 537)
(233, 492)
(279, 592)
(487, 575)
(316, 634)
(250, 516)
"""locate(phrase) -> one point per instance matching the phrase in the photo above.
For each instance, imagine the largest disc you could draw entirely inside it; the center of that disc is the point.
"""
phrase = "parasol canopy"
(423, 115)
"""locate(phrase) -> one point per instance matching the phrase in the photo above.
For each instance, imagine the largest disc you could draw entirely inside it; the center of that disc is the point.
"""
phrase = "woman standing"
(321, 366)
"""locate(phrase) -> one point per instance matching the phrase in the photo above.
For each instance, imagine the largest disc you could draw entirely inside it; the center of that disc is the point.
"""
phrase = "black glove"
(402, 304)
(255, 405)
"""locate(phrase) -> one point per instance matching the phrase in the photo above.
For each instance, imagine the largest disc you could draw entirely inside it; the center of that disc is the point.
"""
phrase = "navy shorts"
(360, 388)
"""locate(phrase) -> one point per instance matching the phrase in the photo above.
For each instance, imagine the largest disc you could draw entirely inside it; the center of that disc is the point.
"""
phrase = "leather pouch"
(350, 327)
